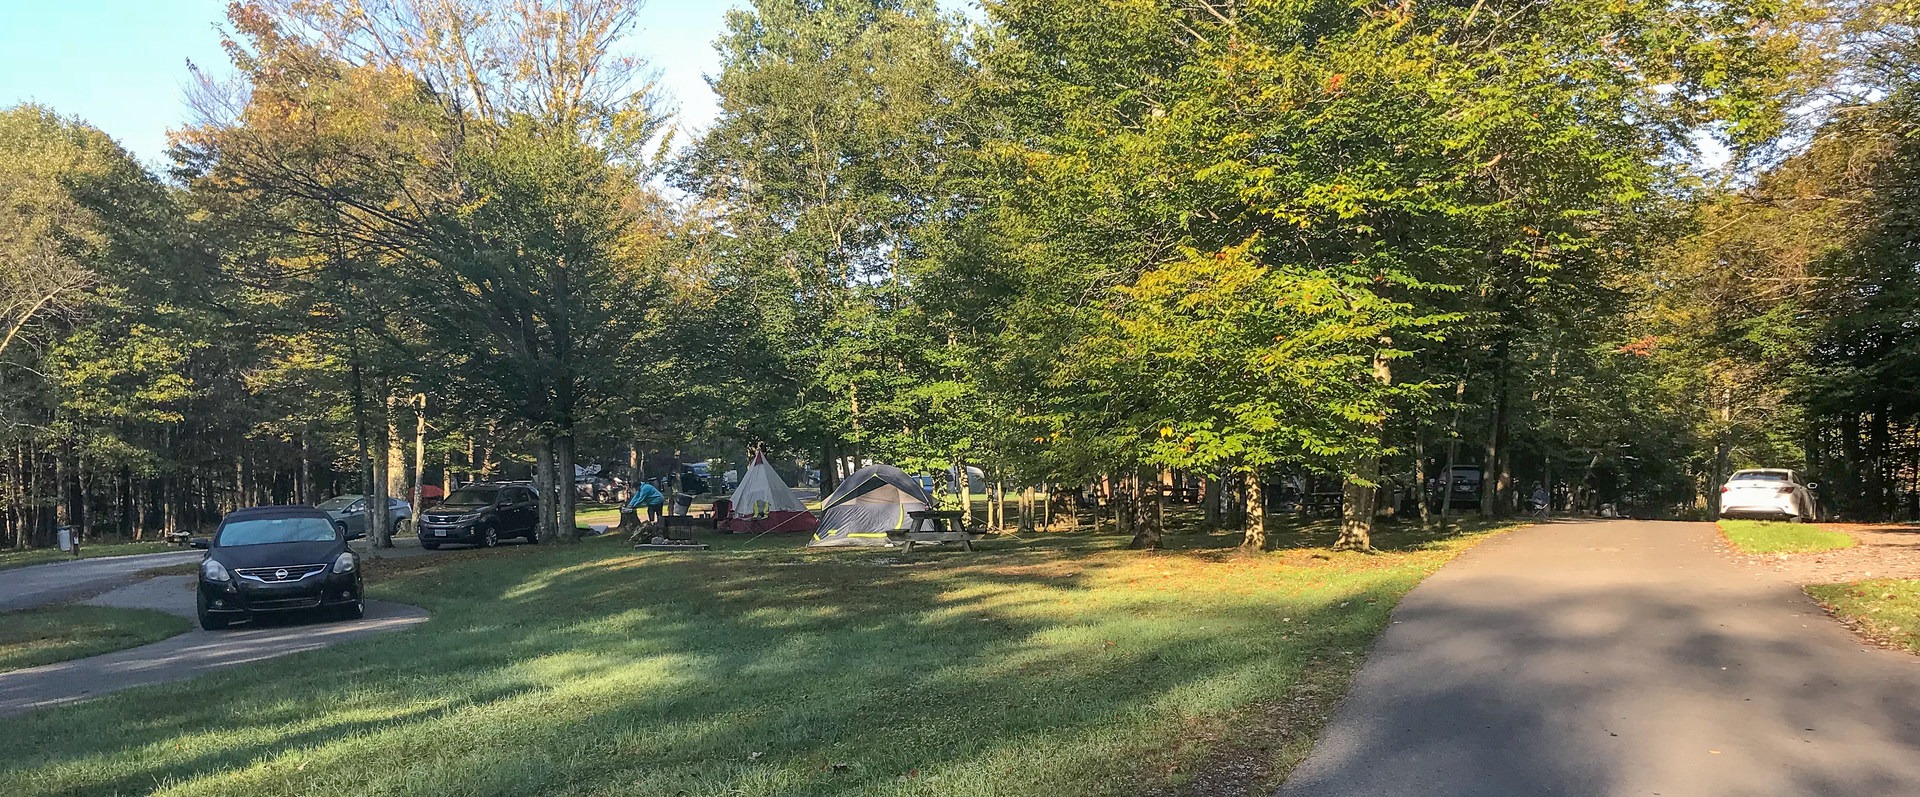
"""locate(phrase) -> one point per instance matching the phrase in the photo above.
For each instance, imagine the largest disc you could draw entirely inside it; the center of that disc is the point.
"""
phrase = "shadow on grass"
(1046, 664)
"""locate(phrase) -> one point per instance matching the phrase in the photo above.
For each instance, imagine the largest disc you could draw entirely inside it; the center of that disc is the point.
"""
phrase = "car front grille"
(285, 603)
(279, 575)
(443, 519)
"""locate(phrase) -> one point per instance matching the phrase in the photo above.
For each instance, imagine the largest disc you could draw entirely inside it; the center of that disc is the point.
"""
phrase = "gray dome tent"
(873, 501)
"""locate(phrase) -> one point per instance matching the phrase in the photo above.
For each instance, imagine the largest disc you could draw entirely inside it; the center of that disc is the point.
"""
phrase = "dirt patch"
(1883, 551)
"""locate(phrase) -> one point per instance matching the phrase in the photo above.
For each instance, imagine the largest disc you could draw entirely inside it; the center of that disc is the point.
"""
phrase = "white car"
(1768, 493)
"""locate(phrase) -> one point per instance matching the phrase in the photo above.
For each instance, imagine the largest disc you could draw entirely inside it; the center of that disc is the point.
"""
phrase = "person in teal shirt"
(650, 497)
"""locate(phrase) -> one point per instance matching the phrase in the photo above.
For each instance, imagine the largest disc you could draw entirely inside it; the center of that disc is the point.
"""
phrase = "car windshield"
(1758, 476)
(472, 496)
(338, 503)
(280, 529)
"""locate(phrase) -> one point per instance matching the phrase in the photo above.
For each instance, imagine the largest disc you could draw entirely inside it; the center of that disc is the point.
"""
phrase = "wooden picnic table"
(937, 525)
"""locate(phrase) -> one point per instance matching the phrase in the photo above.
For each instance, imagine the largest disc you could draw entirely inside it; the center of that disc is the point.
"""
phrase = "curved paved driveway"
(1618, 658)
(186, 655)
(38, 585)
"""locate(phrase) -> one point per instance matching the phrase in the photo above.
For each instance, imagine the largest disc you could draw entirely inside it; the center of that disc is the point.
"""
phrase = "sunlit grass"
(1051, 665)
(1756, 536)
(33, 637)
(1886, 610)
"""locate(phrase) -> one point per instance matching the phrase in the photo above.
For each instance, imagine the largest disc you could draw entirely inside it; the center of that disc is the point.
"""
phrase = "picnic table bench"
(1330, 501)
(936, 526)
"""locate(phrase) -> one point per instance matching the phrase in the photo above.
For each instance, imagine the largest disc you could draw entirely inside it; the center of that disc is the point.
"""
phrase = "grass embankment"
(1049, 665)
(1754, 536)
(1886, 610)
(32, 637)
(9, 559)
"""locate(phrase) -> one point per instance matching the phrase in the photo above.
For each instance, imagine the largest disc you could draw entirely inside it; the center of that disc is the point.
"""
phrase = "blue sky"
(121, 65)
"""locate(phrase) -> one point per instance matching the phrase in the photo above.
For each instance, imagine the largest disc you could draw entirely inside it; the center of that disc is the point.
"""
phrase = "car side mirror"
(199, 542)
(1813, 485)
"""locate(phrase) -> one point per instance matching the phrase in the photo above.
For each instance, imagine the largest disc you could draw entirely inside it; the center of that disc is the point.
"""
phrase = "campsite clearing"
(1049, 665)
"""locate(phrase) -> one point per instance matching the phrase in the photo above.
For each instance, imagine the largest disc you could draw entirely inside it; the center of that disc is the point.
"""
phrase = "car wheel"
(352, 611)
(1796, 519)
(490, 537)
(208, 620)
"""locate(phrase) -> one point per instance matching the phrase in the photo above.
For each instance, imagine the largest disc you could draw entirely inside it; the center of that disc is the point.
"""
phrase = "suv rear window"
(1758, 476)
(472, 496)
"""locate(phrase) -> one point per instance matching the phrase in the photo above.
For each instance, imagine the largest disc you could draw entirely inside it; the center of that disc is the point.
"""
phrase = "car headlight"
(214, 571)
(345, 562)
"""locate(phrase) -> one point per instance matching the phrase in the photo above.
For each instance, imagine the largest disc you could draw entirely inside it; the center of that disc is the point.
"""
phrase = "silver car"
(1768, 493)
(351, 511)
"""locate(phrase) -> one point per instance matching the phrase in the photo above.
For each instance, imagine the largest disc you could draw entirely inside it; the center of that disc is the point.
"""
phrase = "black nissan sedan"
(276, 559)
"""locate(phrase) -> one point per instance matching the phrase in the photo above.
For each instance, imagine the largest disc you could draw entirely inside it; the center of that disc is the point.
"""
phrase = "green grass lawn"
(33, 637)
(1049, 665)
(36, 556)
(1886, 610)
(1755, 536)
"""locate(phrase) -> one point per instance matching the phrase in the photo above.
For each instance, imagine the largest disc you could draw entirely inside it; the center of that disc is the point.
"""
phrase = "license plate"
(439, 532)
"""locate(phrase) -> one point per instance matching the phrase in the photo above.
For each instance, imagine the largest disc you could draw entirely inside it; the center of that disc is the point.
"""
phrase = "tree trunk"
(304, 489)
(379, 518)
(633, 469)
(1453, 454)
(415, 498)
(1361, 494)
(966, 492)
(1358, 499)
(829, 465)
(1722, 456)
(1256, 508)
(543, 483)
(396, 451)
(1211, 502)
(565, 521)
(1420, 480)
(1490, 487)
(1546, 483)
(1146, 517)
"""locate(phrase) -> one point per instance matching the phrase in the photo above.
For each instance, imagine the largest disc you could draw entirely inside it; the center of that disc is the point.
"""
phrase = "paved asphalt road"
(25, 587)
(1618, 658)
(186, 655)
